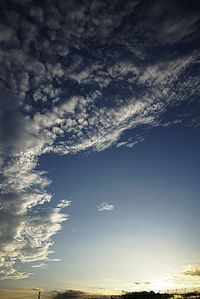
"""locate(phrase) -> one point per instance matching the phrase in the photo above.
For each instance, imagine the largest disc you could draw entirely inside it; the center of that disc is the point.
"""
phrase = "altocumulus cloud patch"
(74, 77)
(105, 206)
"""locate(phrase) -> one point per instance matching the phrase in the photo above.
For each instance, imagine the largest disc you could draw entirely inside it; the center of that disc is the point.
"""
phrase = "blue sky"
(99, 144)
(155, 192)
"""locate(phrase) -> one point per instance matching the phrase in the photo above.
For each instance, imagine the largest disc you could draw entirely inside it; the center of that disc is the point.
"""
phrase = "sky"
(99, 145)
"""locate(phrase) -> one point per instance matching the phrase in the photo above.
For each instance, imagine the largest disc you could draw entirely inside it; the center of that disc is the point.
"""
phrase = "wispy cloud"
(104, 206)
(40, 266)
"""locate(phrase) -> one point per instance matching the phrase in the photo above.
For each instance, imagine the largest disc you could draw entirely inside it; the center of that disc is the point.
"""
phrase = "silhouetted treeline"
(73, 294)
(70, 294)
(76, 294)
(153, 295)
(144, 295)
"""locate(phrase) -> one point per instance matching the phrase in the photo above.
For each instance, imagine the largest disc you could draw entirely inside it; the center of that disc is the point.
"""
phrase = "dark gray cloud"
(11, 124)
(142, 282)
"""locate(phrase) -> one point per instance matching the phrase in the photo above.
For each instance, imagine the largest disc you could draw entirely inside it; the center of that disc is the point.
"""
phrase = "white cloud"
(52, 260)
(40, 266)
(63, 203)
(105, 206)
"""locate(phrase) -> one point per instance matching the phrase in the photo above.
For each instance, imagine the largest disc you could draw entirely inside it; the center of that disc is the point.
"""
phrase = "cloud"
(11, 122)
(192, 271)
(11, 273)
(104, 206)
(76, 80)
(52, 260)
(188, 276)
(142, 282)
(63, 204)
(40, 266)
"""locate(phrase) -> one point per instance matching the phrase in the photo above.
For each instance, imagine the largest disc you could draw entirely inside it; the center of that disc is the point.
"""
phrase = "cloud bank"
(75, 77)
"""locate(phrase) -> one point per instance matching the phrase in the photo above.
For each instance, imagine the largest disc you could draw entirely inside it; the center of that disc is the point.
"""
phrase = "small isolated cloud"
(53, 260)
(139, 283)
(40, 266)
(105, 206)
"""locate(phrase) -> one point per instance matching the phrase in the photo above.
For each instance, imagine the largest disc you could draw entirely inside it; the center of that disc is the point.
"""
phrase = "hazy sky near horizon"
(99, 144)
